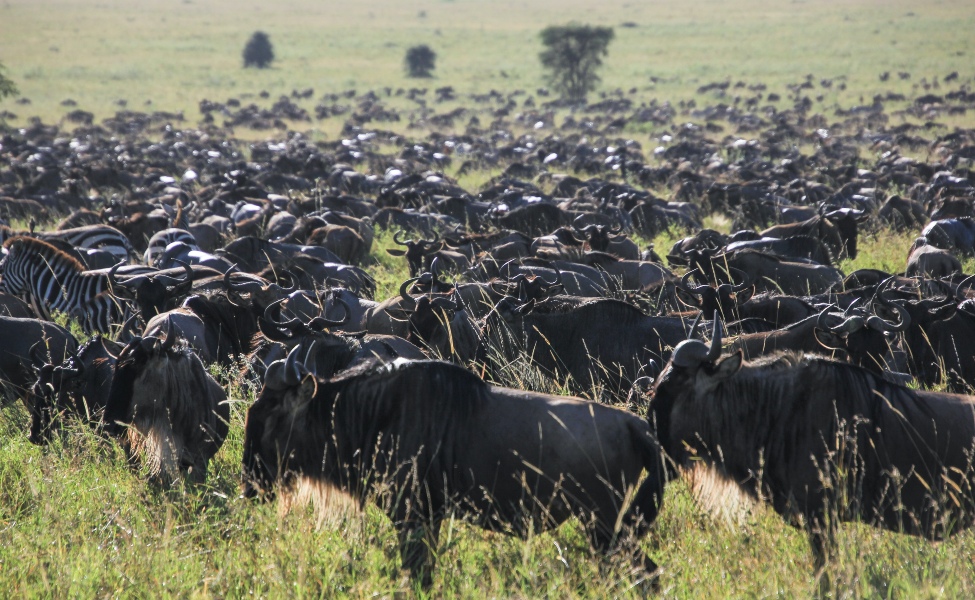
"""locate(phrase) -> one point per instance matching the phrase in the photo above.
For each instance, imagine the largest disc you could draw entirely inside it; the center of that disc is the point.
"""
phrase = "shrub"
(258, 51)
(420, 61)
(572, 55)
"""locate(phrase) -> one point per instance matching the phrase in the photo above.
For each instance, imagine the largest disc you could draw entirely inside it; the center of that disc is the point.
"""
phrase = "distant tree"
(258, 51)
(7, 87)
(420, 61)
(572, 55)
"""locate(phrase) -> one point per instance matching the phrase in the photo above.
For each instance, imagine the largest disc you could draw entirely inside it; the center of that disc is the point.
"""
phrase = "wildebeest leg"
(417, 547)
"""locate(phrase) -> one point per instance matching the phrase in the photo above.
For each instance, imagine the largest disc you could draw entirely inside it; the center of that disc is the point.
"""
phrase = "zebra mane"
(48, 251)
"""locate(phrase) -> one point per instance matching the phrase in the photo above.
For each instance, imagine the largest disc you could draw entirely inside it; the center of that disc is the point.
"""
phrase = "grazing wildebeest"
(820, 440)
(79, 386)
(166, 408)
(427, 438)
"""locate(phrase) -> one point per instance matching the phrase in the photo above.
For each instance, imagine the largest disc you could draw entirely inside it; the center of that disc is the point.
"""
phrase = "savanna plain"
(77, 521)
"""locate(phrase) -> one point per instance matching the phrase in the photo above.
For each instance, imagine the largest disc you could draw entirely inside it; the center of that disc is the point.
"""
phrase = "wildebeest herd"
(178, 249)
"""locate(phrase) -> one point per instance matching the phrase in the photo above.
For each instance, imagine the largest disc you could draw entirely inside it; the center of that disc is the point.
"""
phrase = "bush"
(258, 51)
(420, 61)
(572, 55)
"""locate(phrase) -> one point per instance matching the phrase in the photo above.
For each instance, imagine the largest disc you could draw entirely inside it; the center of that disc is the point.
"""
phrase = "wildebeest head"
(846, 220)
(153, 294)
(725, 298)
(693, 368)
(415, 251)
(860, 334)
(132, 362)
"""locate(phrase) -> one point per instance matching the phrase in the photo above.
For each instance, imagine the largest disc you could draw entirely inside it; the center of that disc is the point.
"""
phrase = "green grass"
(173, 54)
(76, 521)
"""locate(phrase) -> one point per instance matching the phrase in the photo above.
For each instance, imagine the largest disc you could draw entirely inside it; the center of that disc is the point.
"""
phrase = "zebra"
(52, 280)
(162, 239)
(94, 237)
(87, 237)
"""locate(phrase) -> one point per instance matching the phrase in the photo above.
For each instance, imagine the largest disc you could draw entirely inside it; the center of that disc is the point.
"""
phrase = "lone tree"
(258, 51)
(7, 87)
(420, 60)
(572, 55)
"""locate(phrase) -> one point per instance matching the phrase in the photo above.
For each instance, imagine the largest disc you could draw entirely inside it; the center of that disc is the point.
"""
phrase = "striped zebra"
(50, 280)
(161, 239)
(86, 237)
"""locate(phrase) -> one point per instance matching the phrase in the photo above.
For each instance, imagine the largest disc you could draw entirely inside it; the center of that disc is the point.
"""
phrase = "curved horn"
(685, 284)
(847, 325)
(246, 286)
(291, 324)
(408, 302)
(112, 281)
(292, 369)
(170, 336)
(399, 241)
(881, 324)
(37, 353)
(178, 285)
(715, 351)
(320, 323)
(746, 280)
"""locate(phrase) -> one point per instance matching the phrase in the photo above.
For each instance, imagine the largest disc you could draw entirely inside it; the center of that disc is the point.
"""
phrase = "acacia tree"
(420, 61)
(7, 87)
(258, 52)
(572, 55)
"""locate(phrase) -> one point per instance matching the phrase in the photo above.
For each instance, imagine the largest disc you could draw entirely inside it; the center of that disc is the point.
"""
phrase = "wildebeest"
(26, 342)
(836, 228)
(166, 408)
(79, 386)
(820, 440)
(603, 341)
(426, 438)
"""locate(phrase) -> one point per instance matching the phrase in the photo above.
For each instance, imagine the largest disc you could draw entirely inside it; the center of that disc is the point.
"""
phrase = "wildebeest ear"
(396, 251)
(728, 367)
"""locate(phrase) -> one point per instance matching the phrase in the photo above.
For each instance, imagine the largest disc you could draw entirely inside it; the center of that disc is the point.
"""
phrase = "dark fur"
(426, 438)
(167, 409)
(782, 426)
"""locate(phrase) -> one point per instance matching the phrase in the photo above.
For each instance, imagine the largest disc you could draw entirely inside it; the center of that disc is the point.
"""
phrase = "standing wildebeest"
(428, 438)
(166, 408)
(822, 440)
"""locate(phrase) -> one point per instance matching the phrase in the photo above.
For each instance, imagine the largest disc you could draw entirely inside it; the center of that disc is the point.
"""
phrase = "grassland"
(173, 53)
(76, 521)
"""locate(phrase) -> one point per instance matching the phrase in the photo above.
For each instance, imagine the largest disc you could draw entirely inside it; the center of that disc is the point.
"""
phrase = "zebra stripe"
(88, 237)
(161, 239)
(94, 237)
(51, 280)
